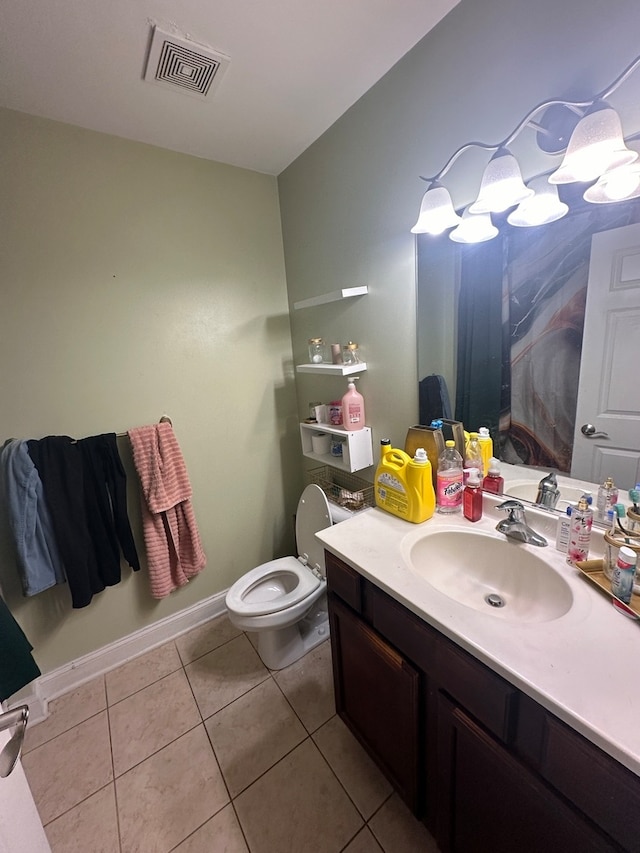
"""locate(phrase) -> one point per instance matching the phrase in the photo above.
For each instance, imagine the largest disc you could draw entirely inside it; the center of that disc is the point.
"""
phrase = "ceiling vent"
(179, 64)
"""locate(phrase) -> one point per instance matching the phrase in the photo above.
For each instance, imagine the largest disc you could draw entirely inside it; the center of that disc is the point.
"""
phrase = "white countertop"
(583, 666)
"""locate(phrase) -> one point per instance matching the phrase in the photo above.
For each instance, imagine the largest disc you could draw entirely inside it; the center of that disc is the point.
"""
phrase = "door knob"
(589, 431)
(11, 751)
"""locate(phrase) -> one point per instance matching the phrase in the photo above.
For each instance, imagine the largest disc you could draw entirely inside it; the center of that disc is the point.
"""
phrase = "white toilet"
(284, 600)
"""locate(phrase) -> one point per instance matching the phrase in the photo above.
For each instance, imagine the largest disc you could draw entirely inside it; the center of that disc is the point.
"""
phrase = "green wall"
(349, 201)
(137, 281)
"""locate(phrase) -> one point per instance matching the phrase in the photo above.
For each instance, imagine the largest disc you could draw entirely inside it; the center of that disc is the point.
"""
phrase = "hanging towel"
(174, 550)
(105, 496)
(38, 558)
(17, 666)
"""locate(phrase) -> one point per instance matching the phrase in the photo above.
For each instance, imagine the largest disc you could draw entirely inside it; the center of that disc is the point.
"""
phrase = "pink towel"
(174, 550)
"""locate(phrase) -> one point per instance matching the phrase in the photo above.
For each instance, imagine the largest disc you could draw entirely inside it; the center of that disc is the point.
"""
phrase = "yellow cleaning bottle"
(404, 486)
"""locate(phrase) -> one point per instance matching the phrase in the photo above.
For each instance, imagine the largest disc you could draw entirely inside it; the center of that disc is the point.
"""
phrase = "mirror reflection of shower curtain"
(541, 275)
(480, 358)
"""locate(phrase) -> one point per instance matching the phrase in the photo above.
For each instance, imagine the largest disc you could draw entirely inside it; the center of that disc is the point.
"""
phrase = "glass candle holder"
(316, 350)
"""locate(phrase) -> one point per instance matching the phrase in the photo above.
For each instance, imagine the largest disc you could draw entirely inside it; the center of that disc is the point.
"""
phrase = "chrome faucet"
(548, 491)
(515, 525)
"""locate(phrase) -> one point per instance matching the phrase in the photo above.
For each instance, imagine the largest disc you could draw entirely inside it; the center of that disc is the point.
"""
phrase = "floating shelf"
(334, 296)
(357, 451)
(332, 369)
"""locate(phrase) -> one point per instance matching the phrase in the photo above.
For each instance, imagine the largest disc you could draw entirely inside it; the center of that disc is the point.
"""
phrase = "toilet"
(284, 601)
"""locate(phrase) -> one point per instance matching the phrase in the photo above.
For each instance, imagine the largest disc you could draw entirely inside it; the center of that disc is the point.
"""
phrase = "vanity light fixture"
(474, 228)
(502, 185)
(621, 184)
(541, 207)
(588, 132)
(436, 211)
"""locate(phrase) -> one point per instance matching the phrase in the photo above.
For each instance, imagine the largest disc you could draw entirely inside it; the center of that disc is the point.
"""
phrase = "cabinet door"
(490, 803)
(378, 695)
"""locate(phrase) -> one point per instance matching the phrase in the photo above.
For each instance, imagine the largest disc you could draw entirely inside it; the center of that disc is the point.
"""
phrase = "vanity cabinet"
(484, 766)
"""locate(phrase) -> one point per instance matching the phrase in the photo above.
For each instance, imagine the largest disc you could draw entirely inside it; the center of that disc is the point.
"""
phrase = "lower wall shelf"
(357, 452)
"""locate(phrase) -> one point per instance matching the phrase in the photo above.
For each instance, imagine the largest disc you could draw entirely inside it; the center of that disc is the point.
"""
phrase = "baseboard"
(72, 675)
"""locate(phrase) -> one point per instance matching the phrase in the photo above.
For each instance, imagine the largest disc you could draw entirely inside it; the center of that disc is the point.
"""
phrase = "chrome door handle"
(18, 717)
(589, 431)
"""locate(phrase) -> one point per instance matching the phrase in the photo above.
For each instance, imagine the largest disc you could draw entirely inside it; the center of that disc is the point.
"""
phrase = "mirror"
(520, 371)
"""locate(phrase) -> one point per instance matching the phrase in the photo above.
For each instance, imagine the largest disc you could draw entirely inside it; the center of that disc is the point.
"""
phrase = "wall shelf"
(357, 451)
(334, 296)
(332, 369)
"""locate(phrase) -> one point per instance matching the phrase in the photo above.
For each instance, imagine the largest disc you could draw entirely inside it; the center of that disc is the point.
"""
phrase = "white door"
(609, 389)
(20, 827)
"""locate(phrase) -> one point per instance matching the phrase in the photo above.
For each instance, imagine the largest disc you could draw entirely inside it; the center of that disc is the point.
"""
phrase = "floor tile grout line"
(113, 775)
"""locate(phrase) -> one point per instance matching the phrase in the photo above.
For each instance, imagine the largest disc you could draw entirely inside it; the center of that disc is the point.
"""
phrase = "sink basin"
(490, 574)
(527, 490)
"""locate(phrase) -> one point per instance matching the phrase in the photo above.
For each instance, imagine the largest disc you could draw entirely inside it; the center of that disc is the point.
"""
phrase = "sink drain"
(494, 600)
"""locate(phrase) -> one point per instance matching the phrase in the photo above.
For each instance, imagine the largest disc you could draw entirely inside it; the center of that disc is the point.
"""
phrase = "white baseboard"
(70, 676)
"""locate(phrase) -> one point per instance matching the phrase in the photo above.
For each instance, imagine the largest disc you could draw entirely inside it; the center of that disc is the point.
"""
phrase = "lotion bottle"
(580, 536)
(353, 407)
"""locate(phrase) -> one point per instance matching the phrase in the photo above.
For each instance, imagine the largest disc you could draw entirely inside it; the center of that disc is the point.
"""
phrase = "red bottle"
(493, 482)
(472, 496)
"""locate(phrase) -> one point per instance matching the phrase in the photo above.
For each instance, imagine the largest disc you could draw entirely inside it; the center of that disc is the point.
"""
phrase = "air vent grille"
(185, 65)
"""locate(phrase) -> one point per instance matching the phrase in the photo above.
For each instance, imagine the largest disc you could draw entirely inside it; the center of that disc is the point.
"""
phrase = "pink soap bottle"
(352, 407)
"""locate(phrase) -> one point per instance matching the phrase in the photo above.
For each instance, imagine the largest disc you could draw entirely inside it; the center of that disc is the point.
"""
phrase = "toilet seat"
(287, 581)
(271, 587)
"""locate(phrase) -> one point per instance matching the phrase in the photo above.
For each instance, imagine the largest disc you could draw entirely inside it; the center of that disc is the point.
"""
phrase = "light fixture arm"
(577, 106)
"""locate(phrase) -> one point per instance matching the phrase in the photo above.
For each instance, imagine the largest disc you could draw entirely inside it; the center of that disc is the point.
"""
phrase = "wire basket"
(342, 488)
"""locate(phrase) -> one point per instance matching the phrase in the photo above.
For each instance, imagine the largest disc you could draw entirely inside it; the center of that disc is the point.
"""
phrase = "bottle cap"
(450, 443)
(436, 423)
(421, 455)
(494, 465)
(473, 435)
(483, 432)
(474, 477)
(627, 555)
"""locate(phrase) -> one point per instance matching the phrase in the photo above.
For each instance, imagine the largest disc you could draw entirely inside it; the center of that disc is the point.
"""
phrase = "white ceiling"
(296, 66)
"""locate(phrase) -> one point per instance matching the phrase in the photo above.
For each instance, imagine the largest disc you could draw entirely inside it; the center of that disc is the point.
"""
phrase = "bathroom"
(128, 295)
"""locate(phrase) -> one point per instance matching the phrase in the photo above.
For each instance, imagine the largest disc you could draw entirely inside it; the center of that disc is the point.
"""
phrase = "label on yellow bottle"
(404, 488)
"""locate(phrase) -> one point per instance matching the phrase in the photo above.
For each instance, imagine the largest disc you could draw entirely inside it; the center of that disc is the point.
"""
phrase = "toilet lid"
(313, 514)
(271, 587)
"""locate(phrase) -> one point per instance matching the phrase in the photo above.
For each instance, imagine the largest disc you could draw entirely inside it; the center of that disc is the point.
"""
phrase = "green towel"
(17, 666)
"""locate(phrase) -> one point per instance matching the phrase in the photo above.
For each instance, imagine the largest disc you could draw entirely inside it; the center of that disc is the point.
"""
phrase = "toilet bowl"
(284, 600)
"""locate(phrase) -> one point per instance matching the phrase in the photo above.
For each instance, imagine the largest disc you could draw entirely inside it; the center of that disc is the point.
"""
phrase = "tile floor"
(196, 747)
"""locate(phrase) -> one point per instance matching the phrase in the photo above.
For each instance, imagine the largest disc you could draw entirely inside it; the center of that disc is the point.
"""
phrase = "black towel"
(17, 666)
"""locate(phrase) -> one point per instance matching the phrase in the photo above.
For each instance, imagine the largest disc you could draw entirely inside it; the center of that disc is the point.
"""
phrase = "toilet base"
(283, 646)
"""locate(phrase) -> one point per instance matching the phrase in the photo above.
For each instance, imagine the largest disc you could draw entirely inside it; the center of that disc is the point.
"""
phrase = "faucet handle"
(514, 508)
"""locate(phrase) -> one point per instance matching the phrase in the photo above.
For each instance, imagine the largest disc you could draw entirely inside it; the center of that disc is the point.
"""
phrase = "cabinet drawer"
(489, 698)
(344, 582)
(594, 782)
(408, 633)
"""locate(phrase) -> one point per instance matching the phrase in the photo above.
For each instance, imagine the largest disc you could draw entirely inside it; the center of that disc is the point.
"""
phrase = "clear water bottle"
(449, 480)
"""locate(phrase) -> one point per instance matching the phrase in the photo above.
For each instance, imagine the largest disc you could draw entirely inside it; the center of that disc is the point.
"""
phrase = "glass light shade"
(539, 209)
(502, 185)
(621, 184)
(436, 211)
(474, 228)
(596, 146)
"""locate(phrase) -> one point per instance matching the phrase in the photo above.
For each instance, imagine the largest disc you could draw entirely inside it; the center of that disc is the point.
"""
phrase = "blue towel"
(39, 562)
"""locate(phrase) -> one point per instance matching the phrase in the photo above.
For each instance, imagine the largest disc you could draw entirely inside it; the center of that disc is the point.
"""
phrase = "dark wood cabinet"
(487, 768)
